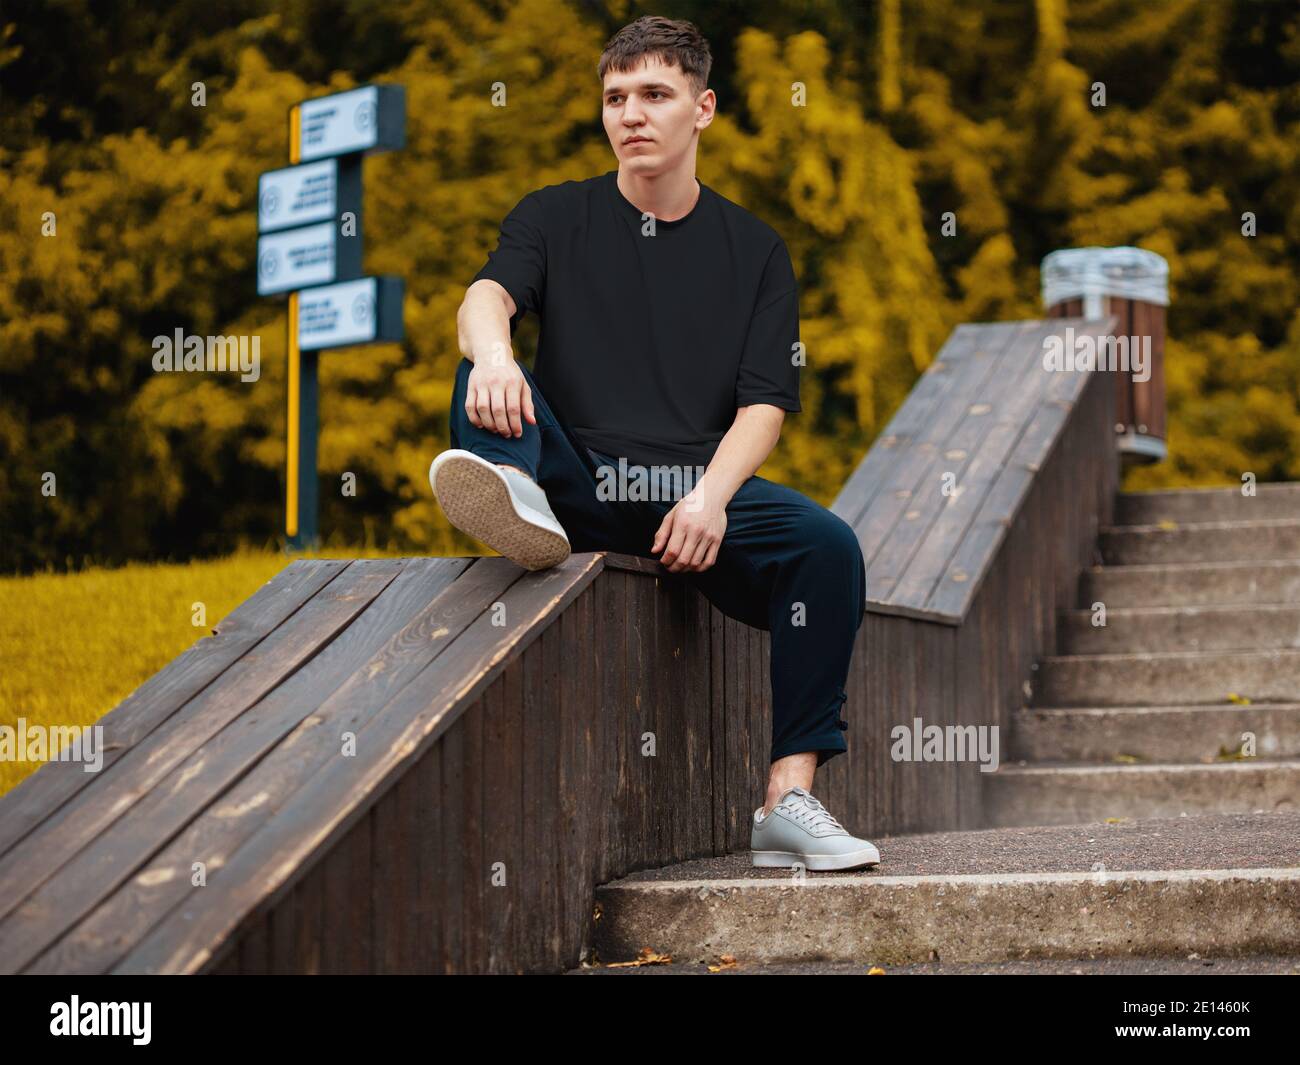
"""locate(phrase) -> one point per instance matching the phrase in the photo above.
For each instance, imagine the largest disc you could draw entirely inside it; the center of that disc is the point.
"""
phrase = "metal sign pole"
(302, 504)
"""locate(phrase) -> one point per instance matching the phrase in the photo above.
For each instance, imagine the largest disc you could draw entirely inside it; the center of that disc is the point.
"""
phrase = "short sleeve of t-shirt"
(768, 371)
(519, 262)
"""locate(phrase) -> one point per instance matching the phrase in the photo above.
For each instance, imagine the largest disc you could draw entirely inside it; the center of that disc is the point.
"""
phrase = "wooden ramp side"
(252, 753)
(414, 765)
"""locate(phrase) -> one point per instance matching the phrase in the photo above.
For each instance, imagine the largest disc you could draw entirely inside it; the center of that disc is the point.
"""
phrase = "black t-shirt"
(648, 344)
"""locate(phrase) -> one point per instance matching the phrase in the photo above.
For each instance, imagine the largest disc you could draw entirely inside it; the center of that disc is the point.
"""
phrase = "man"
(666, 362)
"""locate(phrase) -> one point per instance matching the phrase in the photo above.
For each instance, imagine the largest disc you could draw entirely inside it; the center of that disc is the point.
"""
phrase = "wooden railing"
(428, 765)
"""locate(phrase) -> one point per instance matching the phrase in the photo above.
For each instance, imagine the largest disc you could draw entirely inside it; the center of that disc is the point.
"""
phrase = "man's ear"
(709, 102)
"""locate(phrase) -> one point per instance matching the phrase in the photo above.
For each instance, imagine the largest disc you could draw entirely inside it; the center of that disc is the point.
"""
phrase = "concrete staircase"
(1153, 713)
(1129, 830)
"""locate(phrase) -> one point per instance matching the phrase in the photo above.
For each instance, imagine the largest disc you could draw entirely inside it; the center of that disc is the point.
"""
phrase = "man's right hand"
(497, 394)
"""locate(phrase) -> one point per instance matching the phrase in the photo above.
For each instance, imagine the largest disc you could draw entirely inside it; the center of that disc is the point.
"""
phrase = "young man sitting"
(666, 359)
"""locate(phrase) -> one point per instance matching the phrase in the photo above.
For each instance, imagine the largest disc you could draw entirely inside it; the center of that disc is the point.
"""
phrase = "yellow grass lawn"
(73, 646)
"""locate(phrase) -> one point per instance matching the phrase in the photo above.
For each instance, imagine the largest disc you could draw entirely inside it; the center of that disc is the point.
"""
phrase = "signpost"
(309, 246)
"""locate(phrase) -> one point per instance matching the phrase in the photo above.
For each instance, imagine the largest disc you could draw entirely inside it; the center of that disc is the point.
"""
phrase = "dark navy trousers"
(786, 564)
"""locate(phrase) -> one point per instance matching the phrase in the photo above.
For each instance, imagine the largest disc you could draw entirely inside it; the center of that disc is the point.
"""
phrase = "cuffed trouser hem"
(826, 744)
(827, 741)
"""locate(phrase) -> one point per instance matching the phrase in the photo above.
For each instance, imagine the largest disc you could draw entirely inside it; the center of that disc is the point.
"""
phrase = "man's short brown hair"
(673, 41)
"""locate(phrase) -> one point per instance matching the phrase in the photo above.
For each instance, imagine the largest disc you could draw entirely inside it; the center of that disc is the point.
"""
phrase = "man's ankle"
(775, 792)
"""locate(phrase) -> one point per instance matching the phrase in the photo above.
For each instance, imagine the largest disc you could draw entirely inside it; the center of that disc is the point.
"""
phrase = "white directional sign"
(351, 312)
(297, 195)
(295, 258)
(361, 120)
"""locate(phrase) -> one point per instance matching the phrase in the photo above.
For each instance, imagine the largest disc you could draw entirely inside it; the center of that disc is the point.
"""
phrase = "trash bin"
(1133, 285)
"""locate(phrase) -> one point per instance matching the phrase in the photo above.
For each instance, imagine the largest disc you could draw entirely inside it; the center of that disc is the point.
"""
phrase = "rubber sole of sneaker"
(815, 862)
(477, 501)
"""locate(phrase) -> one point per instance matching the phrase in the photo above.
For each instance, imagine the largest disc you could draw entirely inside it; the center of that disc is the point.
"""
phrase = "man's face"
(651, 116)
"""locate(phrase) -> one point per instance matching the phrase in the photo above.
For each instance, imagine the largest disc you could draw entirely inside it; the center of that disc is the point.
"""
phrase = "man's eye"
(655, 92)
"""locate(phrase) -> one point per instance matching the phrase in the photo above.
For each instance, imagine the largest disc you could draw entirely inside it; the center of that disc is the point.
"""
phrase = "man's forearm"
(483, 321)
(743, 449)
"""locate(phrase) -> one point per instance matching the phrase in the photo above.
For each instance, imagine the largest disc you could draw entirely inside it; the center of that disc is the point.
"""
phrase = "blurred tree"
(910, 114)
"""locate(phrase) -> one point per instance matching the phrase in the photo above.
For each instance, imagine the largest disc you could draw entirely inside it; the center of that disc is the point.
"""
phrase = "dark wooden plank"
(950, 597)
(85, 843)
(551, 911)
(336, 867)
(501, 809)
(254, 949)
(228, 964)
(640, 666)
(741, 731)
(389, 740)
(353, 924)
(430, 869)
(605, 731)
(718, 745)
(580, 795)
(394, 877)
(699, 761)
(677, 723)
(219, 770)
(38, 796)
(309, 897)
(618, 710)
(927, 565)
(668, 751)
(532, 928)
(909, 466)
(570, 798)
(636, 564)
(1004, 397)
(283, 933)
(473, 913)
(514, 756)
(456, 875)
(346, 905)
(912, 417)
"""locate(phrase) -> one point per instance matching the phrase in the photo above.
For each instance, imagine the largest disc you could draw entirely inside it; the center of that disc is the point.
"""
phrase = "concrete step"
(1216, 886)
(1278, 500)
(1180, 628)
(1191, 584)
(1193, 965)
(1108, 734)
(1024, 794)
(1166, 678)
(1201, 541)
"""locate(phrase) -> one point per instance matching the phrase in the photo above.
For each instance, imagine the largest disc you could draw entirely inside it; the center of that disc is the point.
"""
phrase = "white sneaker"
(500, 507)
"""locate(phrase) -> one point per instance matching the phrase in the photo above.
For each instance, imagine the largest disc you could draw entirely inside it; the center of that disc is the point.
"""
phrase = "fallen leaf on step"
(725, 961)
(1165, 523)
(1240, 700)
(876, 970)
(646, 957)
(1233, 755)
